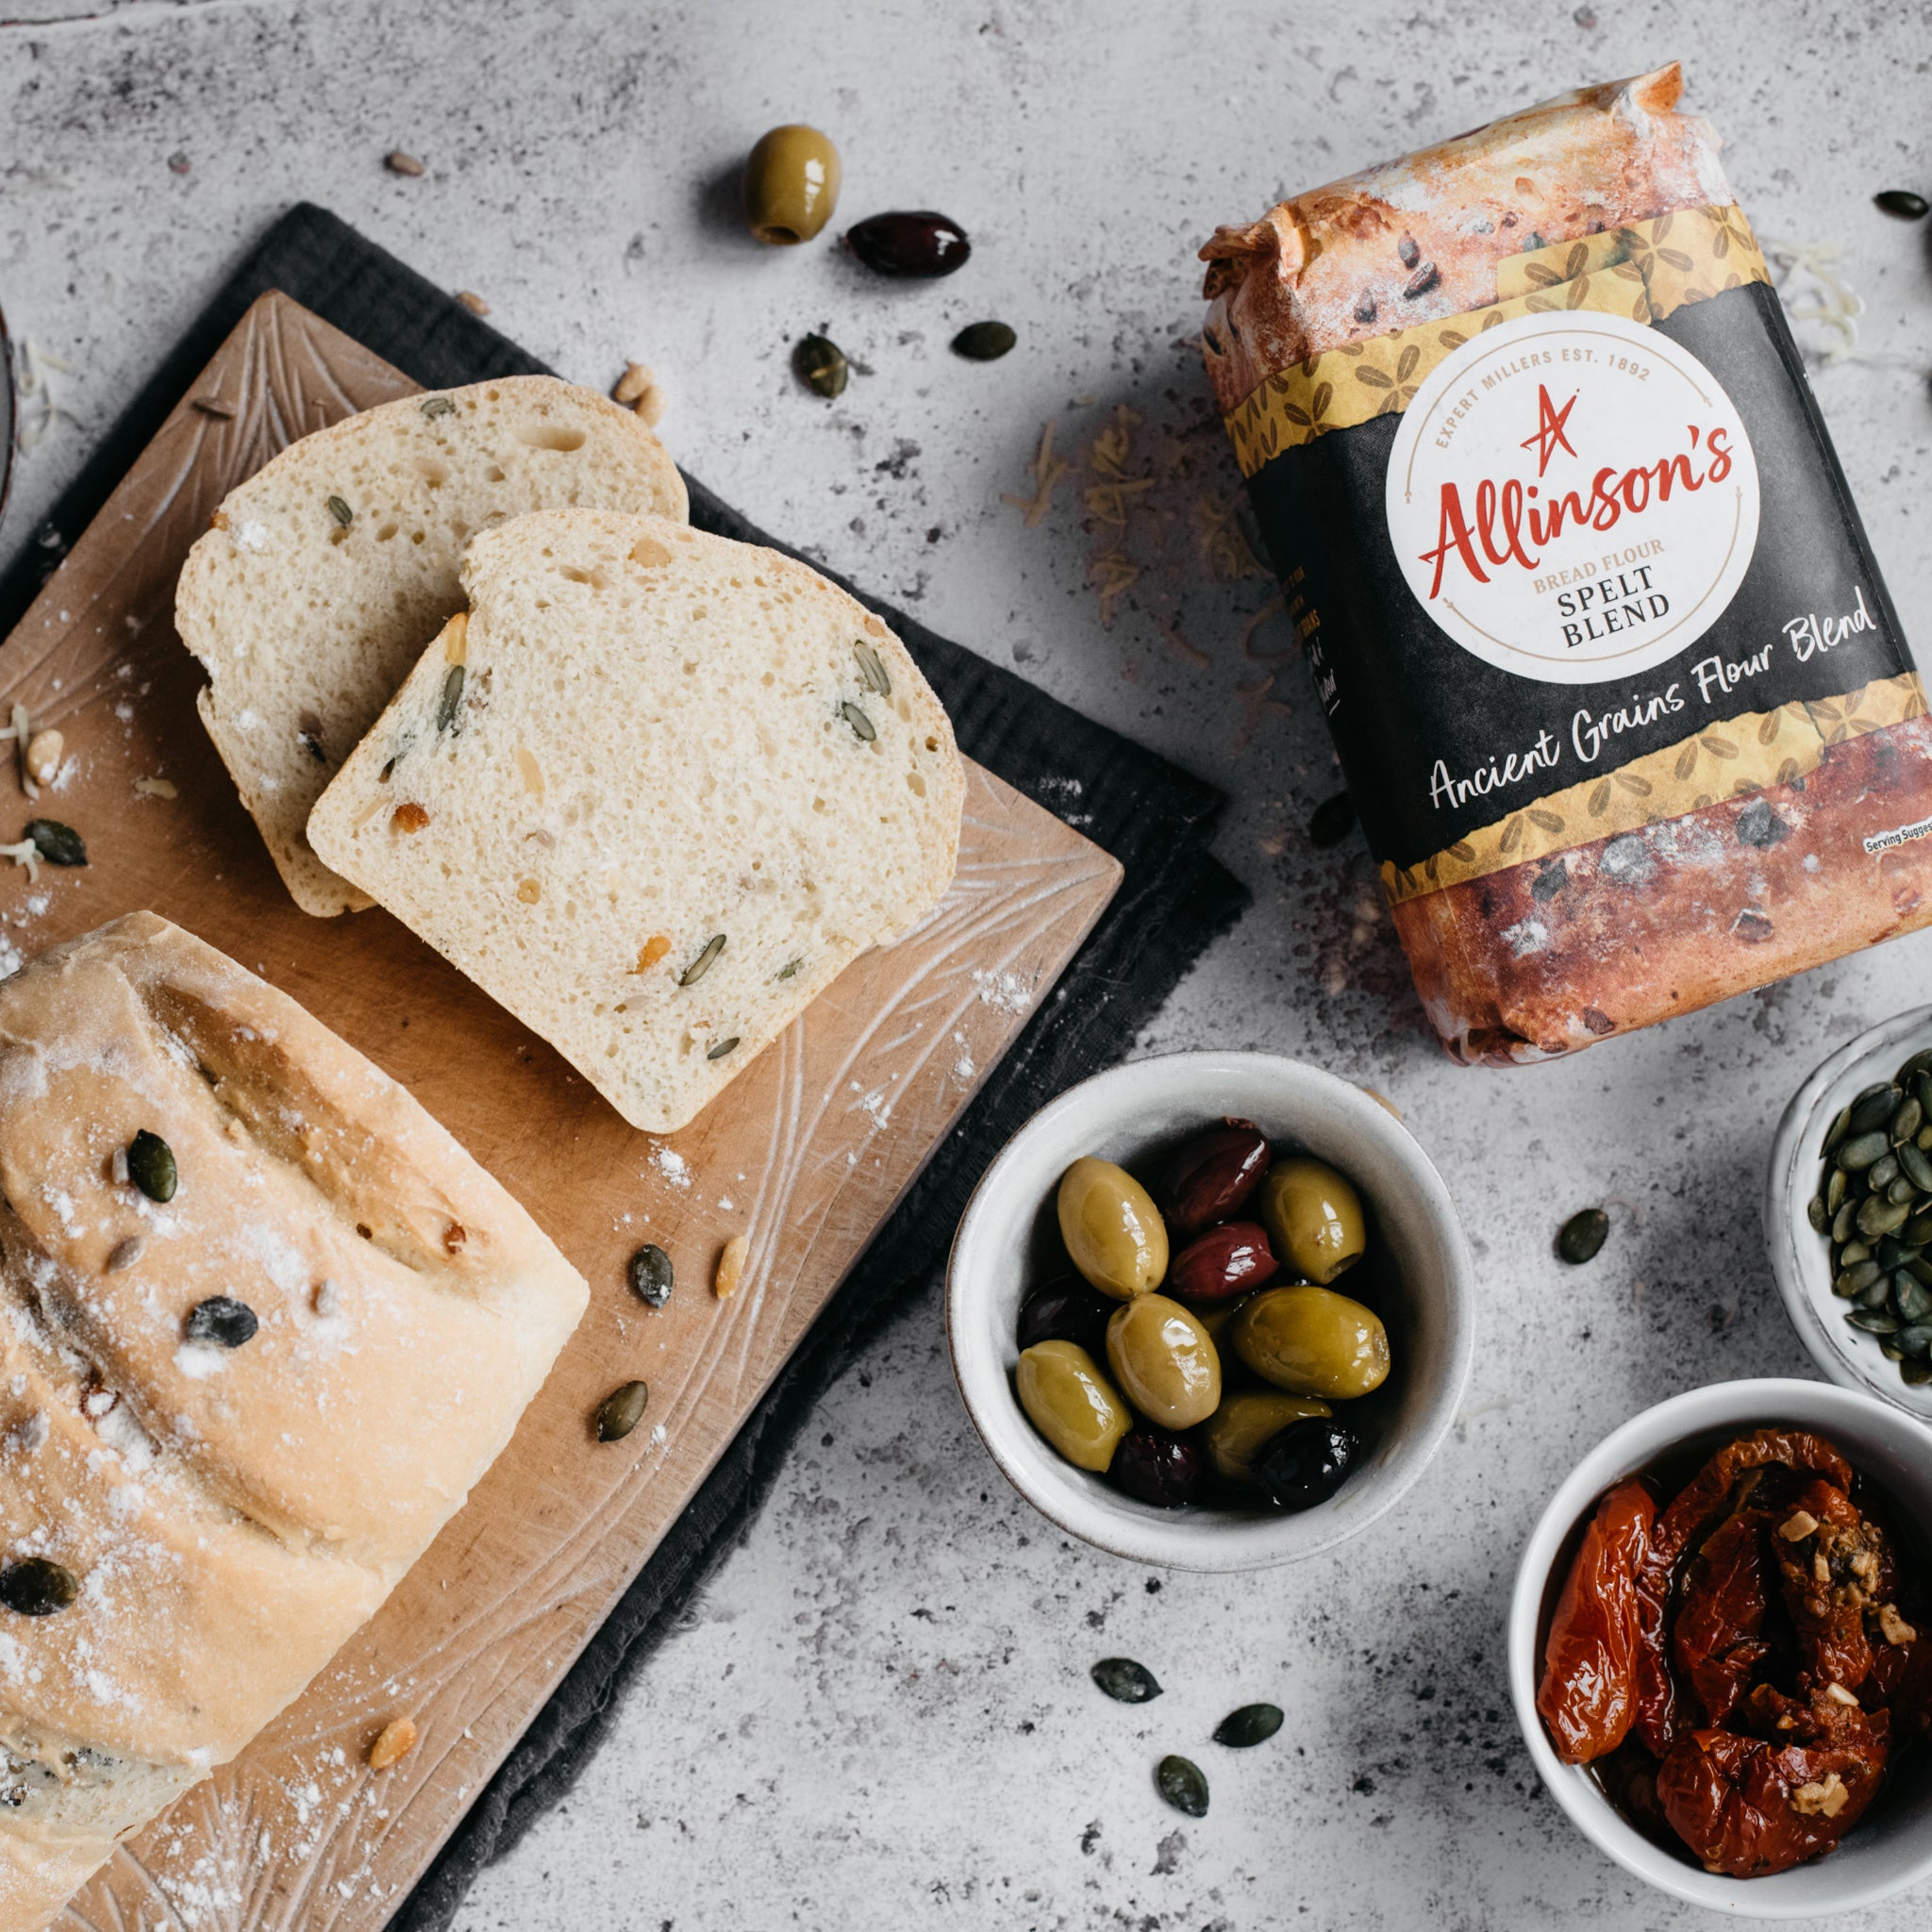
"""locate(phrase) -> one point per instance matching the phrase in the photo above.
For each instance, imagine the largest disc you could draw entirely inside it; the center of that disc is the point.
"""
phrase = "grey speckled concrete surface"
(879, 1713)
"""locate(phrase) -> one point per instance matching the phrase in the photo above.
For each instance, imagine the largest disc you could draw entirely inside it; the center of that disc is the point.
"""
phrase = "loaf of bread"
(230, 1419)
(653, 793)
(330, 569)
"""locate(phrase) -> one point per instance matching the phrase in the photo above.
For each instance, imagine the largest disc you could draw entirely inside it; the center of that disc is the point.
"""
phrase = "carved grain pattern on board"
(477, 1635)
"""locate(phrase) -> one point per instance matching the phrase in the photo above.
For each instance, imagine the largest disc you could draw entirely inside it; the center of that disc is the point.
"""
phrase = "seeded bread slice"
(329, 570)
(654, 793)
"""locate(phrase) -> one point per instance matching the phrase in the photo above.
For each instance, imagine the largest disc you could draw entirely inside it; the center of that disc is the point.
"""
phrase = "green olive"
(1247, 1419)
(1112, 1229)
(790, 185)
(1162, 1359)
(1313, 1216)
(1071, 1402)
(1313, 1341)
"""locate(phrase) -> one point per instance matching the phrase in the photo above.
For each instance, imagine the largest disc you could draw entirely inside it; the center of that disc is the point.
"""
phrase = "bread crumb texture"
(329, 570)
(679, 785)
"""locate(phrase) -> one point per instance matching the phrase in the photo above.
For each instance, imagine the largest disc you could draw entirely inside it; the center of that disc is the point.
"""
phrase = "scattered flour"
(672, 1165)
(1006, 992)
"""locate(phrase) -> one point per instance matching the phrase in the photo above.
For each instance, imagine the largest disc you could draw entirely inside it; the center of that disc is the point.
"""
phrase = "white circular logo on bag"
(1573, 497)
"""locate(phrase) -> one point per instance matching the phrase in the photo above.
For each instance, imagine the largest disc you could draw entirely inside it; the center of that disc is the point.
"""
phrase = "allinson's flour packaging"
(1624, 709)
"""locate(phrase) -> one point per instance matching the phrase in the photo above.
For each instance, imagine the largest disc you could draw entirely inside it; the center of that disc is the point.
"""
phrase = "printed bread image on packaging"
(1624, 709)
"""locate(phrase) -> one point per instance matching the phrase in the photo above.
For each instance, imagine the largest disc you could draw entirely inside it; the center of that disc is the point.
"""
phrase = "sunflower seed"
(37, 1587)
(702, 964)
(651, 1276)
(1873, 1320)
(1184, 1785)
(340, 511)
(151, 1166)
(861, 725)
(124, 1254)
(1125, 1681)
(1253, 1724)
(622, 1410)
(1583, 1236)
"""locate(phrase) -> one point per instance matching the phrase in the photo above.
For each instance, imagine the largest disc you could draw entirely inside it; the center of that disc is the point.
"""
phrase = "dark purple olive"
(1157, 1466)
(1210, 1177)
(1226, 1261)
(1068, 1310)
(1307, 1462)
(918, 244)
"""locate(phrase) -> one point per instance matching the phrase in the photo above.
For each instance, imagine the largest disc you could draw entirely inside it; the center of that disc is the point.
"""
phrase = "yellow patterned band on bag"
(1728, 760)
(1643, 272)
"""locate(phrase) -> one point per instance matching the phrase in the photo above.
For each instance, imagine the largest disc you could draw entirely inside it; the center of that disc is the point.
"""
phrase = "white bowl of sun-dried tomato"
(1685, 1617)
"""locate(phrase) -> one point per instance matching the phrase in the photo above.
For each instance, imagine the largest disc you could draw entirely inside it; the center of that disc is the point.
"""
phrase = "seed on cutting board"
(222, 1320)
(56, 843)
(820, 365)
(1902, 203)
(702, 964)
(723, 1047)
(984, 341)
(1862, 1151)
(1184, 1785)
(125, 1254)
(452, 698)
(1125, 1681)
(862, 726)
(1253, 1724)
(622, 1409)
(151, 1166)
(339, 509)
(1584, 1234)
(37, 1587)
(730, 1266)
(395, 1741)
(652, 1276)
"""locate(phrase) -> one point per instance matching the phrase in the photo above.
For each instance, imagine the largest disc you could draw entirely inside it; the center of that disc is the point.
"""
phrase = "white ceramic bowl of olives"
(1166, 1451)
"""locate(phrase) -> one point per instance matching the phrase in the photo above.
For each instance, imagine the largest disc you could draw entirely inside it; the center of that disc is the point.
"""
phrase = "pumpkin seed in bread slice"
(328, 572)
(653, 793)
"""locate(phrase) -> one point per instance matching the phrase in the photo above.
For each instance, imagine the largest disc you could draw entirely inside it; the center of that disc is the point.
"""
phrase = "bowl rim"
(1632, 1443)
(1797, 1264)
(1173, 1541)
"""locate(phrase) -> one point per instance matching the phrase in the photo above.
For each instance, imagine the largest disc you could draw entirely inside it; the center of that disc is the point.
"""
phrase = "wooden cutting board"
(805, 1153)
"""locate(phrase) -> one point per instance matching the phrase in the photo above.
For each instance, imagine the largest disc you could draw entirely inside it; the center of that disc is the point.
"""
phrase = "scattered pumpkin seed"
(652, 1276)
(984, 341)
(871, 669)
(620, 1412)
(723, 1047)
(151, 1166)
(37, 1587)
(1583, 1236)
(1184, 1785)
(862, 726)
(438, 406)
(338, 510)
(452, 698)
(1331, 822)
(1253, 1724)
(222, 1320)
(1873, 1320)
(56, 843)
(1125, 1681)
(702, 964)
(1902, 203)
(820, 365)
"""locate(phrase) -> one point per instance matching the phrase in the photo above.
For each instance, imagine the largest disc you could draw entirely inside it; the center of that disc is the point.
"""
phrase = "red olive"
(1226, 1261)
(1210, 1176)
(1158, 1467)
(1068, 1310)
(918, 244)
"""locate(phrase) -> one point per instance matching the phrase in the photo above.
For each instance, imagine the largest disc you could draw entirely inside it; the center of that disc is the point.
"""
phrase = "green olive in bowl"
(1312, 1341)
(1114, 1233)
(1072, 1403)
(1313, 1216)
(790, 185)
(1246, 1419)
(1162, 1359)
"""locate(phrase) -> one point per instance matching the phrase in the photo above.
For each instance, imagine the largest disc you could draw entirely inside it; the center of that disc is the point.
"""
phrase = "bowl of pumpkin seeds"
(1848, 1213)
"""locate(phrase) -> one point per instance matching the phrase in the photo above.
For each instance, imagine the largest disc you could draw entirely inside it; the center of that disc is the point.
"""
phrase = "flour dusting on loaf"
(228, 1516)
(331, 568)
(653, 795)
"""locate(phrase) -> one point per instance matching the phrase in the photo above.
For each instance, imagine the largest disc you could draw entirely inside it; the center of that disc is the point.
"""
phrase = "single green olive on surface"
(790, 185)
(1072, 1403)
(1312, 1341)
(1114, 1233)
(1313, 1216)
(1247, 1419)
(1163, 1361)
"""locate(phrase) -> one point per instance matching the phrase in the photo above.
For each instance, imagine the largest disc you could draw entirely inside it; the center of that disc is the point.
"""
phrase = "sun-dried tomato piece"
(1589, 1692)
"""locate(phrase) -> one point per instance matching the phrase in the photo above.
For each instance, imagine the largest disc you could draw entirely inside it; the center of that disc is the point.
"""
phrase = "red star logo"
(1549, 428)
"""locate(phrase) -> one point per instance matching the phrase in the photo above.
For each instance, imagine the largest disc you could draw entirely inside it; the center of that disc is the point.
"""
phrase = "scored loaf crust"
(232, 1515)
(642, 737)
(307, 627)
(1419, 239)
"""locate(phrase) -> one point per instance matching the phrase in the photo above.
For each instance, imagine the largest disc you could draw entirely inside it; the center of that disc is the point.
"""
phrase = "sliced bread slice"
(653, 795)
(335, 564)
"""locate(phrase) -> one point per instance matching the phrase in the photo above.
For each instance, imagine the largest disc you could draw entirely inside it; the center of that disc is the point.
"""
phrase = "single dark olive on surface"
(1068, 1310)
(1210, 1177)
(1223, 1262)
(1158, 1467)
(790, 185)
(915, 244)
(1307, 1462)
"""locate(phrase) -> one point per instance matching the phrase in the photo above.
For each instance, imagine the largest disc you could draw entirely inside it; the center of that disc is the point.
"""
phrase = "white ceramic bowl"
(1892, 1847)
(1123, 1115)
(1799, 1259)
